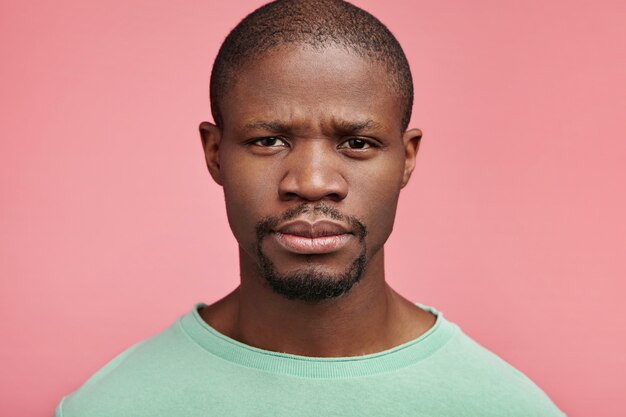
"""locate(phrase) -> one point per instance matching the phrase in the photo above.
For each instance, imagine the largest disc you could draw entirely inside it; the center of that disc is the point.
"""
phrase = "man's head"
(317, 24)
(311, 101)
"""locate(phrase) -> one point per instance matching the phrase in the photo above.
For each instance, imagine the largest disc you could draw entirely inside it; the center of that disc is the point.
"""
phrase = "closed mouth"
(321, 228)
(320, 237)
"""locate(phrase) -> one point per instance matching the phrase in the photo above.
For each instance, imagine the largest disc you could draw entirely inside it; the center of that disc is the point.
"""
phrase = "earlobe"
(411, 140)
(211, 137)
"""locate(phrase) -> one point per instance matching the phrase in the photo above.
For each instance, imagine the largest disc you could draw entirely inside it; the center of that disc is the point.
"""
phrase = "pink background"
(513, 224)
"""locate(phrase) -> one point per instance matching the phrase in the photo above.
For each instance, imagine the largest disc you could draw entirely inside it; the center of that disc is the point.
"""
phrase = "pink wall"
(513, 224)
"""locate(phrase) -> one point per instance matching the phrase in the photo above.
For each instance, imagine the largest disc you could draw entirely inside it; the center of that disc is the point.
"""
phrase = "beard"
(311, 284)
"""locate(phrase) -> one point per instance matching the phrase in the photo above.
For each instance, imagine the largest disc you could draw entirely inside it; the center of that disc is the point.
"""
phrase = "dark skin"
(313, 126)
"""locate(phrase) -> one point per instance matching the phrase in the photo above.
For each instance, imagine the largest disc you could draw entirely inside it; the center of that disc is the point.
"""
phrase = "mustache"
(265, 226)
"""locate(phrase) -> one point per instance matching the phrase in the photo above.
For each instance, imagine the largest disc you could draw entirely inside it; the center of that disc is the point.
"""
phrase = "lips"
(320, 237)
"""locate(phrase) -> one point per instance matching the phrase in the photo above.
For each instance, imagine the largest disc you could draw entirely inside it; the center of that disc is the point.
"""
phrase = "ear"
(211, 137)
(411, 140)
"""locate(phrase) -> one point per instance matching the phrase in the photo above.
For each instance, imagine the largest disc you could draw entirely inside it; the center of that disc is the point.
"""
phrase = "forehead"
(301, 84)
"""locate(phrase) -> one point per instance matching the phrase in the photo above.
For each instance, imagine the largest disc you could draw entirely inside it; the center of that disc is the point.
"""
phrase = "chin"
(313, 283)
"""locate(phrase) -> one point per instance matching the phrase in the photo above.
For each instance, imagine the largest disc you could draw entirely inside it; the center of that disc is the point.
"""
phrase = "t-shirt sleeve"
(102, 372)
(58, 412)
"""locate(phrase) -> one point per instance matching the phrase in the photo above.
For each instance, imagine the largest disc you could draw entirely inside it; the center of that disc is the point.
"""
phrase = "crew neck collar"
(392, 359)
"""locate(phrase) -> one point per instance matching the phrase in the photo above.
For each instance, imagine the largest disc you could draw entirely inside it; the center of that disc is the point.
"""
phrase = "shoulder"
(130, 375)
(474, 372)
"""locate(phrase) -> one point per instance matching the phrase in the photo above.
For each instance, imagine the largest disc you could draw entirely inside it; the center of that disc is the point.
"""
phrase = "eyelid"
(277, 137)
(371, 143)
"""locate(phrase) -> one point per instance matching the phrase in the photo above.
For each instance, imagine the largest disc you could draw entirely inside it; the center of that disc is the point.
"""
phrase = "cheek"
(246, 193)
(376, 196)
(381, 211)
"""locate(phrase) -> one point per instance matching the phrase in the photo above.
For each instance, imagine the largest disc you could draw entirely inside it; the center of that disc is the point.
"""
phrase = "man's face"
(312, 159)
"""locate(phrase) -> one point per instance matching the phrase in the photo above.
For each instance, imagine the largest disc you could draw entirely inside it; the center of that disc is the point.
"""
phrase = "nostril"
(289, 195)
(310, 196)
(334, 197)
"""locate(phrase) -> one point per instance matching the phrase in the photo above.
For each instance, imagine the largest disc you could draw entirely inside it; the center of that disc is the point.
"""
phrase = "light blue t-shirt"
(192, 370)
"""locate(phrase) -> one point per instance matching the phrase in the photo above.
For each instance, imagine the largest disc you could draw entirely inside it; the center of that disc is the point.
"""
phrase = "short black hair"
(317, 23)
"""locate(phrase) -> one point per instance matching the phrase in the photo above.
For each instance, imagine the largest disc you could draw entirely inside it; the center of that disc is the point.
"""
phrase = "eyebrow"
(341, 126)
(272, 126)
(355, 127)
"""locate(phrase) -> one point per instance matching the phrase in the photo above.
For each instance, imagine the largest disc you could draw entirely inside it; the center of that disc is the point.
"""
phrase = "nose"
(313, 173)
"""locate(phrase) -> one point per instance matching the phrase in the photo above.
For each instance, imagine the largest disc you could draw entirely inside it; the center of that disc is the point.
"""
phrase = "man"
(311, 102)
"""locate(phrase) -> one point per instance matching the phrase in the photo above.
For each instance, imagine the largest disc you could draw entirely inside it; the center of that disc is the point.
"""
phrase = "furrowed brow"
(272, 126)
(348, 127)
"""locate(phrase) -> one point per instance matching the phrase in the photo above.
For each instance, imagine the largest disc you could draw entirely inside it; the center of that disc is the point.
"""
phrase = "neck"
(370, 318)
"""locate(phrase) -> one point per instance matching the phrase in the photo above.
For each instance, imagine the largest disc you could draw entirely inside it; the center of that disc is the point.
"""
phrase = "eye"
(355, 143)
(270, 142)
